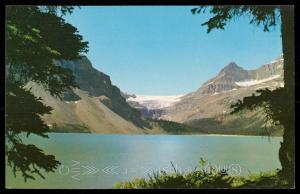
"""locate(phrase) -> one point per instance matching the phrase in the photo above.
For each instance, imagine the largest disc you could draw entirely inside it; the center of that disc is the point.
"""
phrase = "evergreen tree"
(35, 36)
(278, 104)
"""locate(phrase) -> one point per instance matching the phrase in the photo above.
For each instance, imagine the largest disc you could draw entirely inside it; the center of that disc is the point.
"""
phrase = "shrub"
(201, 178)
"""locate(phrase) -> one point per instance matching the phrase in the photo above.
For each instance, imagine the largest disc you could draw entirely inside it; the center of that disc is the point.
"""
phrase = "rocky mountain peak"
(225, 80)
(231, 67)
(232, 64)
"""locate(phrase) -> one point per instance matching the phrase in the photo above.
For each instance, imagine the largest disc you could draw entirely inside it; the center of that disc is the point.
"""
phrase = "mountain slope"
(98, 84)
(91, 116)
(85, 115)
(208, 108)
(97, 106)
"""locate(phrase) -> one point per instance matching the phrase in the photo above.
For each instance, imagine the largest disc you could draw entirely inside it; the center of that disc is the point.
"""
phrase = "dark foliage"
(278, 104)
(174, 127)
(203, 177)
(34, 37)
(23, 111)
(32, 44)
(267, 16)
(269, 100)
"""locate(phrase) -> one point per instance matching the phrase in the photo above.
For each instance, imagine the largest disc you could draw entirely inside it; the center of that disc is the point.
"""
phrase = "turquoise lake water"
(98, 161)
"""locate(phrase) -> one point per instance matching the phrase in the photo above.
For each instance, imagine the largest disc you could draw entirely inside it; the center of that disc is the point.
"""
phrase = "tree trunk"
(287, 149)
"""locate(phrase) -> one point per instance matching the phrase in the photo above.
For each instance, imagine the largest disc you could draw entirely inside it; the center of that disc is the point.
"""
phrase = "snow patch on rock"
(254, 82)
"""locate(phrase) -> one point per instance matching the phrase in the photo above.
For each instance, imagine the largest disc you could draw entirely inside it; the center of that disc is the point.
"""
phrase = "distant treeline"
(172, 127)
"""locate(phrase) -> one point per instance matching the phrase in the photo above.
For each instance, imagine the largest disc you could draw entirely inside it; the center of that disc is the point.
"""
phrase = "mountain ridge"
(98, 106)
(209, 106)
(98, 84)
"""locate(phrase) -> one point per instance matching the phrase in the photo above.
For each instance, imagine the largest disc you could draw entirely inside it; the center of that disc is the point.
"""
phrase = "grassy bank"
(204, 177)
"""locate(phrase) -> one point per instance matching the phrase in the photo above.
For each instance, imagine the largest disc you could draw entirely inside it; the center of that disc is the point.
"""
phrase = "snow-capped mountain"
(233, 77)
(209, 106)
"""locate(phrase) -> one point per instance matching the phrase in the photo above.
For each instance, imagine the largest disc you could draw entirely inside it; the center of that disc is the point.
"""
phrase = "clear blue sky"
(164, 50)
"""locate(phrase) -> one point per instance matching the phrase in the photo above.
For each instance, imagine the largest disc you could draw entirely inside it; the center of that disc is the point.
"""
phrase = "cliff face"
(88, 78)
(98, 84)
(268, 70)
